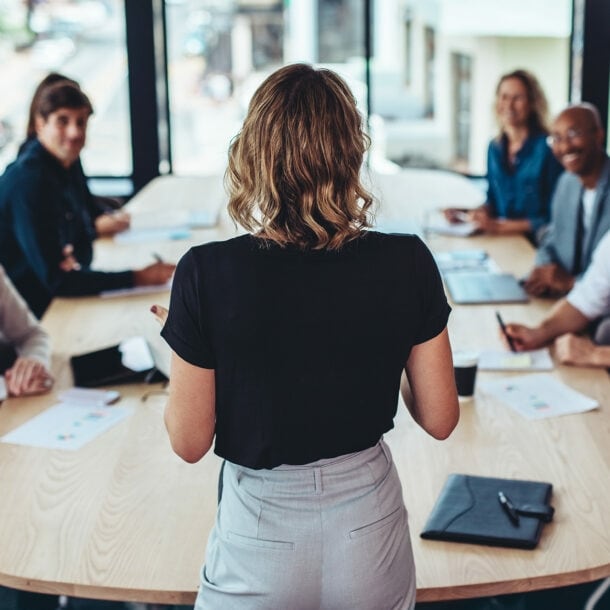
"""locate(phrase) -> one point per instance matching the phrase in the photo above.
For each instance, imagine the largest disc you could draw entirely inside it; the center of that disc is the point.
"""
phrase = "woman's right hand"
(27, 376)
(160, 313)
(456, 215)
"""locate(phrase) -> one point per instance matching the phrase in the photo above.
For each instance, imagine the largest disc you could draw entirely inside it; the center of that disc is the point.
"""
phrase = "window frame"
(149, 102)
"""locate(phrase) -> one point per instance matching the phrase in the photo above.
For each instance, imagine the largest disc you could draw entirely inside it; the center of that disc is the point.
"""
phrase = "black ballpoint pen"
(508, 508)
(503, 329)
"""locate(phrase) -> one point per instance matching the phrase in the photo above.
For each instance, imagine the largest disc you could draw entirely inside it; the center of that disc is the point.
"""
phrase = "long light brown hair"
(293, 173)
(538, 120)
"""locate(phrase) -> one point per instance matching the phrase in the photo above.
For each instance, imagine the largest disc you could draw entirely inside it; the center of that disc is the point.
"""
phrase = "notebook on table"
(468, 509)
(473, 288)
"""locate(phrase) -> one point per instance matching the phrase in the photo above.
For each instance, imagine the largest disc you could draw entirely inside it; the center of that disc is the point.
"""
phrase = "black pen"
(508, 508)
(157, 257)
(503, 329)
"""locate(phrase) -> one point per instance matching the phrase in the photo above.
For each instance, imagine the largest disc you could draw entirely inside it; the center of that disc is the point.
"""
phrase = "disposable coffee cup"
(465, 368)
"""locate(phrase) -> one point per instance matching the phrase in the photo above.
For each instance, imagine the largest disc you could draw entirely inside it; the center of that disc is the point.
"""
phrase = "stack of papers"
(465, 260)
(501, 360)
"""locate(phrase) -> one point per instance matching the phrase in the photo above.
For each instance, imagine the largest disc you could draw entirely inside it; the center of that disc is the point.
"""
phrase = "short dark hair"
(63, 94)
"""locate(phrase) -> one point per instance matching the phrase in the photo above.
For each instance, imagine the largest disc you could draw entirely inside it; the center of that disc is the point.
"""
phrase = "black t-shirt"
(307, 346)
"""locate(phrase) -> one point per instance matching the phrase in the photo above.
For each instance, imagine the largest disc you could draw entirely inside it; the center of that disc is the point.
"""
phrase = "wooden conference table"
(123, 518)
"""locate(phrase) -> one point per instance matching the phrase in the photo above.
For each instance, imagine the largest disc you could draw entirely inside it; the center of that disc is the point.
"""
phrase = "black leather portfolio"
(129, 361)
(493, 511)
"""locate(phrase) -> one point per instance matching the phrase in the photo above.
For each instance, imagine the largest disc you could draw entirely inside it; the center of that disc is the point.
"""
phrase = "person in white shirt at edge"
(588, 301)
(21, 335)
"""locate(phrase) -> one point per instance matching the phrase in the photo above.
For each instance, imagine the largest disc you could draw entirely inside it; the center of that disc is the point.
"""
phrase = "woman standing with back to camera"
(288, 347)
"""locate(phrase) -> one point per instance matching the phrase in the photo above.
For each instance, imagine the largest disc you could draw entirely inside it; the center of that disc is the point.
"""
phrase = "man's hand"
(572, 349)
(524, 338)
(550, 280)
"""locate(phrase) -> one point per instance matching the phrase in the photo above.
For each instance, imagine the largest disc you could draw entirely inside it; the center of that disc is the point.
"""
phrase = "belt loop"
(317, 481)
(386, 450)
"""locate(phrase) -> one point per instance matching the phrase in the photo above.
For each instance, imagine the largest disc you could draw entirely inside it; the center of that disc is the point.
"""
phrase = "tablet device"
(127, 362)
(472, 288)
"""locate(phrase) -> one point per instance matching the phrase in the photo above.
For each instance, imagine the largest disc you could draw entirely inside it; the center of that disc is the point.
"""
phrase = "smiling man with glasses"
(580, 208)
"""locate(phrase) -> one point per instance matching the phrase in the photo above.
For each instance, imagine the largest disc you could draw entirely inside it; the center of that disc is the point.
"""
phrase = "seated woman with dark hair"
(46, 231)
(107, 218)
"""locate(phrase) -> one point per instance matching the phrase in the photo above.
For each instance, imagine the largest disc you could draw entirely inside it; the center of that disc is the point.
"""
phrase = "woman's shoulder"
(393, 243)
(203, 253)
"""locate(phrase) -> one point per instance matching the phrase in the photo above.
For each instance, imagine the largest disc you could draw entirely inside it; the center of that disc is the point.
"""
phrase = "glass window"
(434, 67)
(83, 39)
(219, 51)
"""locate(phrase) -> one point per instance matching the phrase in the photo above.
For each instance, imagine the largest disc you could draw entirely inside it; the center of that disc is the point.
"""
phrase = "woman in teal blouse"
(521, 169)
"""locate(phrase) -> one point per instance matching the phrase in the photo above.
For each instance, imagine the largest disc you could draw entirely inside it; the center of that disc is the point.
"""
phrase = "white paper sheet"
(437, 223)
(136, 236)
(401, 226)
(502, 360)
(538, 396)
(125, 292)
(453, 261)
(66, 426)
(201, 219)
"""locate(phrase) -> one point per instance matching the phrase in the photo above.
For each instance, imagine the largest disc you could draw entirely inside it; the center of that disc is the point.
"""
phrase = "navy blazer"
(44, 207)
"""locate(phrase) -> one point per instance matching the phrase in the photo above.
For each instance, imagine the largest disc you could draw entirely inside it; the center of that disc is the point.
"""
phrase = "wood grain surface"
(124, 518)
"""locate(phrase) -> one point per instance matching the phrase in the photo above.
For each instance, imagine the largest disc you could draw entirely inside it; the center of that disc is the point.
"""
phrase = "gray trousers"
(330, 535)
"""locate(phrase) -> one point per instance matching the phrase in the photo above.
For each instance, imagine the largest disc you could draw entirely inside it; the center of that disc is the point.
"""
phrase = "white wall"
(495, 49)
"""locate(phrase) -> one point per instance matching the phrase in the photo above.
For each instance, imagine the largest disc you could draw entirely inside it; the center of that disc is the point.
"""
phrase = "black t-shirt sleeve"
(434, 307)
(185, 328)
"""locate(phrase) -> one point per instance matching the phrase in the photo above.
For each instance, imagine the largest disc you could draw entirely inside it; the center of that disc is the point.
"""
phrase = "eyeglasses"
(569, 136)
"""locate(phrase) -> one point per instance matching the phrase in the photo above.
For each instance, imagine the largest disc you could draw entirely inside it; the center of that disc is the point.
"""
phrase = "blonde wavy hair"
(294, 169)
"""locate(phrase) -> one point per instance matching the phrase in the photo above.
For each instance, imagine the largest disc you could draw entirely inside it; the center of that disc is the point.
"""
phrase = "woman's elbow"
(442, 428)
(190, 452)
(188, 441)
